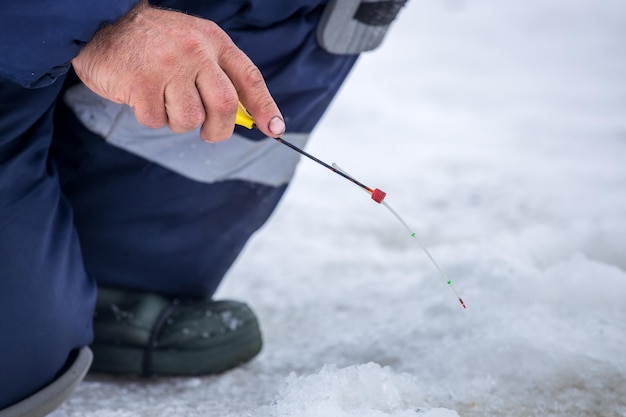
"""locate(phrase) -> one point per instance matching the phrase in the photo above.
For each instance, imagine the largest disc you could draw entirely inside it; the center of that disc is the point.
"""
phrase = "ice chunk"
(367, 390)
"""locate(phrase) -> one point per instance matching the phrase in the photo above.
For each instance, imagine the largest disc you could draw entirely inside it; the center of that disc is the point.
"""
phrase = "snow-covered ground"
(498, 131)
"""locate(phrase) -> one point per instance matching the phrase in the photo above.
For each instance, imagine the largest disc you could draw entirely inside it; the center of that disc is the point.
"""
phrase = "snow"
(498, 131)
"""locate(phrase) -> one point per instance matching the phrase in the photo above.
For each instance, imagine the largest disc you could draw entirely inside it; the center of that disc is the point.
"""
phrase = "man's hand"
(178, 70)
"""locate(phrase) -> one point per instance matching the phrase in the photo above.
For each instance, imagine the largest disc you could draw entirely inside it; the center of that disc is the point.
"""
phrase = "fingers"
(149, 107)
(252, 90)
(183, 106)
(220, 101)
(209, 101)
(213, 101)
(220, 83)
(176, 69)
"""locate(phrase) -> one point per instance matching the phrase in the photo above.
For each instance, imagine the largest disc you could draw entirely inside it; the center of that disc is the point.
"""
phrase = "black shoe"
(148, 334)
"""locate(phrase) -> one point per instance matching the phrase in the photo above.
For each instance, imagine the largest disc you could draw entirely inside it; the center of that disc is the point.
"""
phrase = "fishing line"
(244, 119)
(443, 275)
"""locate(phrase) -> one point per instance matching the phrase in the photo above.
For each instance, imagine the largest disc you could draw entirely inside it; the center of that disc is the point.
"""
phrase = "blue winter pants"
(75, 210)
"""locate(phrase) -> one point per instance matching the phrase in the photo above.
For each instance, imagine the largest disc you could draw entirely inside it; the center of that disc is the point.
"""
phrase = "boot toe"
(152, 335)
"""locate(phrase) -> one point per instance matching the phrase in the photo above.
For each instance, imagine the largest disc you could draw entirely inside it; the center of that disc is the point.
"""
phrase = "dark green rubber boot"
(148, 334)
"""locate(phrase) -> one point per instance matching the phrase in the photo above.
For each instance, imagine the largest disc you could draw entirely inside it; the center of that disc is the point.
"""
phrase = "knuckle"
(195, 119)
(192, 46)
(253, 77)
(209, 26)
(150, 119)
(247, 73)
(267, 104)
(226, 104)
(213, 31)
(183, 106)
(188, 122)
(148, 112)
(185, 115)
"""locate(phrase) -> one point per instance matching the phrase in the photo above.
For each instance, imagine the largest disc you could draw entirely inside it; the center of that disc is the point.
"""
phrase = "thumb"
(253, 92)
(267, 117)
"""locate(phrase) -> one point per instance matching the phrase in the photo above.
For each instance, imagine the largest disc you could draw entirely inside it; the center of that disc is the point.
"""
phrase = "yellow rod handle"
(243, 117)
